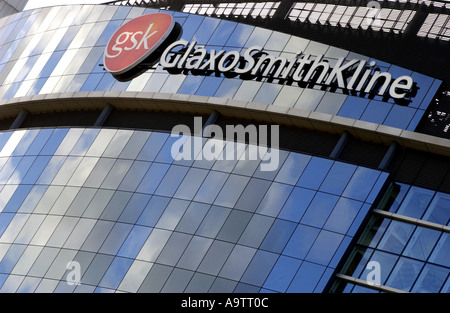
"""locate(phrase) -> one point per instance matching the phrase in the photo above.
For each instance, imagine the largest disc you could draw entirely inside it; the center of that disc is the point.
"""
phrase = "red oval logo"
(134, 41)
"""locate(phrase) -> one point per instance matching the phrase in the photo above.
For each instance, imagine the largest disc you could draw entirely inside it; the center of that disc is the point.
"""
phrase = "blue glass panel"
(377, 187)
(194, 253)
(256, 230)
(36, 170)
(85, 141)
(153, 177)
(297, 203)
(237, 262)
(415, 202)
(396, 236)
(415, 120)
(421, 243)
(21, 170)
(205, 31)
(174, 248)
(430, 95)
(222, 33)
(292, 168)
(314, 173)
(386, 261)
(12, 90)
(404, 274)
(121, 13)
(11, 257)
(216, 257)
(278, 236)
(400, 117)
(282, 274)
(438, 210)
(153, 211)
(4, 137)
(209, 86)
(301, 241)
(193, 217)
(267, 93)
(156, 278)
(106, 82)
(191, 25)
(338, 178)
(307, 278)
(337, 257)
(52, 168)
(51, 64)
(441, 253)
(5, 219)
(253, 194)
(259, 268)
(258, 37)
(39, 142)
(177, 281)
(324, 247)
(445, 288)
(165, 154)
(213, 221)
(431, 279)
(8, 169)
(319, 209)
(116, 272)
(54, 141)
(191, 84)
(17, 199)
(152, 146)
(274, 199)
(361, 183)
(211, 187)
(358, 219)
(231, 190)
(115, 238)
(234, 226)
(240, 35)
(26, 69)
(68, 38)
(245, 288)
(134, 241)
(228, 88)
(36, 87)
(343, 215)
(172, 214)
(376, 112)
(108, 32)
(423, 85)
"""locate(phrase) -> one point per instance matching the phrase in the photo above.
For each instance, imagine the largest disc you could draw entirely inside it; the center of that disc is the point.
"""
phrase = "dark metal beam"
(104, 115)
(20, 119)
(340, 146)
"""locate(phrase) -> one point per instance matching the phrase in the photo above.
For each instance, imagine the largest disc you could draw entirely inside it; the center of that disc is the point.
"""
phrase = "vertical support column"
(390, 154)
(176, 5)
(283, 9)
(213, 117)
(104, 115)
(19, 119)
(337, 151)
(417, 21)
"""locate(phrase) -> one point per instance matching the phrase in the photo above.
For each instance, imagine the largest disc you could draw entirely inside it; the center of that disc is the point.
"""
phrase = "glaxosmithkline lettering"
(143, 41)
(354, 75)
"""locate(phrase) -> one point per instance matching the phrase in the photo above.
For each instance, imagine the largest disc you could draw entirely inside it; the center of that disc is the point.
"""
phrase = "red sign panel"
(134, 41)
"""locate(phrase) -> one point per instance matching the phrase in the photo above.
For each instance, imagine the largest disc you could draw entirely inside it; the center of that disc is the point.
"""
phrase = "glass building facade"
(60, 49)
(136, 220)
(111, 209)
